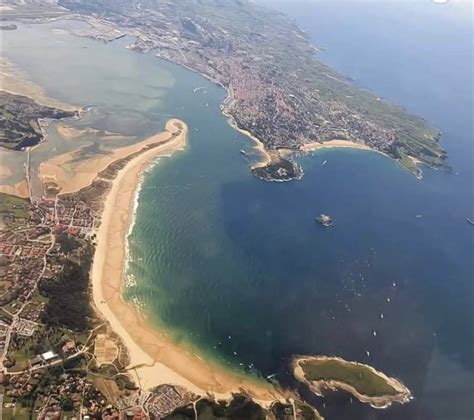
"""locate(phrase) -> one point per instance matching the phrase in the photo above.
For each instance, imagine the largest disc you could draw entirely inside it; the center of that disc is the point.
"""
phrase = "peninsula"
(21, 119)
(278, 92)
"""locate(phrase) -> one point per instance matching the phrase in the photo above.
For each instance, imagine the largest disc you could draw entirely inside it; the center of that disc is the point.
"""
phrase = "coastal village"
(310, 104)
(58, 359)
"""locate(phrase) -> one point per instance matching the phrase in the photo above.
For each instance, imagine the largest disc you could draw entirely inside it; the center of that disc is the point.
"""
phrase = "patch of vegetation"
(240, 408)
(283, 411)
(406, 161)
(19, 116)
(67, 243)
(124, 382)
(13, 206)
(44, 339)
(280, 170)
(19, 359)
(359, 377)
(68, 295)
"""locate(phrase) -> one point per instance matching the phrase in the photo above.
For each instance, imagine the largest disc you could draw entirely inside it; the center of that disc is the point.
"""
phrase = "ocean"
(238, 268)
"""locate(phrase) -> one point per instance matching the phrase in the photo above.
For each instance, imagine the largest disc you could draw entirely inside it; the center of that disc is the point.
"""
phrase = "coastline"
(154, 358)
(347, 144)
(266, 155)
(270, 157)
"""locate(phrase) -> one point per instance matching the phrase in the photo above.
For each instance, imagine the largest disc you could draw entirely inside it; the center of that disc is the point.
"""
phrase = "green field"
(13, 206)
(359, 377)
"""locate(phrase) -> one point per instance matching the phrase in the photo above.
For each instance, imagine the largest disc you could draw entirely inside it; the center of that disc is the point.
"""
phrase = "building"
(49, 356)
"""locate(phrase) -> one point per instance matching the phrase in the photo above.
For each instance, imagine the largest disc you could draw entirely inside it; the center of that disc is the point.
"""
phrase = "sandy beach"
(333, 144)
(154, 357)
(267, 156)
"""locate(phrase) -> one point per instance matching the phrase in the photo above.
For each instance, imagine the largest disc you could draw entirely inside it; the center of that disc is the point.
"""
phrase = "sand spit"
(154, 358)
(71, 175)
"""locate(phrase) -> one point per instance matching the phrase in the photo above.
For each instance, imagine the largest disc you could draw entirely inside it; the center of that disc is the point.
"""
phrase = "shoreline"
(266, 155)
(153, 358)
(347, 144)
(271, 156)
(336, 144)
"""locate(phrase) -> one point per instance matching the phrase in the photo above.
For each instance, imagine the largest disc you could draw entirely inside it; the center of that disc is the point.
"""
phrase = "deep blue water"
(238, 267)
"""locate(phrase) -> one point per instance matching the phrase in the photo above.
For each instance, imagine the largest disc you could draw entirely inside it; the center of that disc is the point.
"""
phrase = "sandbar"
(15, 81)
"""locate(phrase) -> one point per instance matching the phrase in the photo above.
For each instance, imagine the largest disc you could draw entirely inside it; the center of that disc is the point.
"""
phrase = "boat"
(324, 163)
(325, 220)
(243, 152)
(470, 221)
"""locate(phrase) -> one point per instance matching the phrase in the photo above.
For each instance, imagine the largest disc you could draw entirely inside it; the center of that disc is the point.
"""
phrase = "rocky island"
(323, 373)
(278, 91)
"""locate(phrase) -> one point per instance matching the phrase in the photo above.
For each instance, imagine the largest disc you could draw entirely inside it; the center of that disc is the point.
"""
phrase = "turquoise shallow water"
(238, 268)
